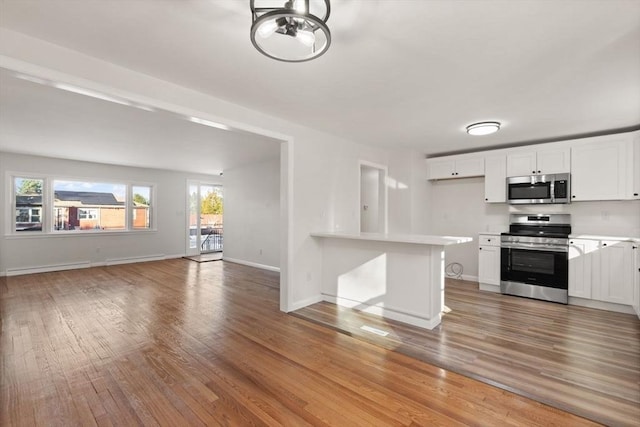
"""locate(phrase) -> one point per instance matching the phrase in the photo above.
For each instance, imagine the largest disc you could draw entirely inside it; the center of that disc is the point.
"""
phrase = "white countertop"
(418, 239)
(489, 233)
(597, 237)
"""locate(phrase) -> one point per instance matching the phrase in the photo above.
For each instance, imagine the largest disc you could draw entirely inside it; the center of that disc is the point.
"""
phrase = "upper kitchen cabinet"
(635, 168)
(604, 168)
(495, 179)
(461, 166)
(544, 160)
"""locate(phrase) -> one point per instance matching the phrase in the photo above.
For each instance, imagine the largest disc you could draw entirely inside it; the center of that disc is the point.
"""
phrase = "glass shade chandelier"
(294, 32)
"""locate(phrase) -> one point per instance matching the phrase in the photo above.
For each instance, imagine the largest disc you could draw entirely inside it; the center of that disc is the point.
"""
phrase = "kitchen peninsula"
(398, 276)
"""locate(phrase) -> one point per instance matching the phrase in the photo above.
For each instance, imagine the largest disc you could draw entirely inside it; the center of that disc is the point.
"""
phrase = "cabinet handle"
(480, 248)
(573, 197)
(533, 171)
(571, 243)
(456, 173)
(604, 244)
(488, 240)
(635, 194)
(452, 173)
(538, 171)
(486, 200)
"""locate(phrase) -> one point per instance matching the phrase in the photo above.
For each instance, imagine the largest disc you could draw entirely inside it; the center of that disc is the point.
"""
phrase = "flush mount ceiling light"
(294, 32)
(483, 128)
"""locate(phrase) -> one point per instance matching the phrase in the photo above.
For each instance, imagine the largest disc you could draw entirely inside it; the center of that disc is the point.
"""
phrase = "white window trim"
(46, 217)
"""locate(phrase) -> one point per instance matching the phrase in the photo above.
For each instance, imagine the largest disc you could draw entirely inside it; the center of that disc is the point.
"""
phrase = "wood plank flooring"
(581, 360)
(182, 343)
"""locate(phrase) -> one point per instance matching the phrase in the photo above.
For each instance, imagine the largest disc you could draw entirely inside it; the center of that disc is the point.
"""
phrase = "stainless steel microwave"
(536, 189)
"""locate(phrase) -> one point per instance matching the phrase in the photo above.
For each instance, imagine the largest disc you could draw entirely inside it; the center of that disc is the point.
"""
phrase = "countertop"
(418, 239)
(580, 236)
(597, 237)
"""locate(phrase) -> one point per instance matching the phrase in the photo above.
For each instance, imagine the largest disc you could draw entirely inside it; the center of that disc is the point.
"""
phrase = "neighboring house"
(28, 212)
(85, 210)
(78, 210)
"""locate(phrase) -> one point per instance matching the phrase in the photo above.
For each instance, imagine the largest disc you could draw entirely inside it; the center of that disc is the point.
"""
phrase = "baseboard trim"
(488, 287)
(602, 305)
(47, 268)
(411, 319)
(251, 264)
(132, 260)
(305, 302)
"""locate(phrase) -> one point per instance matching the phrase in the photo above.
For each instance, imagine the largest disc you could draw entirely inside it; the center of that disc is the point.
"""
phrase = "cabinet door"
(489, 265)
(469, 167)
(555, 160)
(521, 163)
(495, 183)
(440, 169)
(581, 257)
(614, 273)
(634, 192)
(599, 170)
(636, 274)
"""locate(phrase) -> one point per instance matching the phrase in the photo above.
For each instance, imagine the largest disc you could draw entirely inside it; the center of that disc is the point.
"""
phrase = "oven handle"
(536, 247)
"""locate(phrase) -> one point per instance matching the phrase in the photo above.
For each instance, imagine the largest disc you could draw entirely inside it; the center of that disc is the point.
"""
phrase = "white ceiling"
(42, 120)
(399, 73)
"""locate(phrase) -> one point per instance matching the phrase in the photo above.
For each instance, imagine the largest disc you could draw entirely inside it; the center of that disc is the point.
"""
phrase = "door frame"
(189, 251)
(384, 171)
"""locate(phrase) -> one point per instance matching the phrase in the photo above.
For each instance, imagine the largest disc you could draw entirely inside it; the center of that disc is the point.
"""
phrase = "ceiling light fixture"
(295, 32)
(483, 128)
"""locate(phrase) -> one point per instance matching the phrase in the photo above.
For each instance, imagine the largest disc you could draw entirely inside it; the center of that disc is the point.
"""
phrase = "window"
(87, 213)
(82, 205)
(28, 203)
(52, 205)
(141, 206)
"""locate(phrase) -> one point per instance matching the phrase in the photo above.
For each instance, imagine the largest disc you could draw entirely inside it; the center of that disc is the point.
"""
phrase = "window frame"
(47, 209)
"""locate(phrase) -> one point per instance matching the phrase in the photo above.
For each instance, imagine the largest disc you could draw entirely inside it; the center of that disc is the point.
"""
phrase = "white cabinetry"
(636, 273)
(489, 262)
(455, 167)
(542, 161)
(581, 254)
(602, 168)
(613, 271)
(495, 174)
(635, 168)
(602, 270)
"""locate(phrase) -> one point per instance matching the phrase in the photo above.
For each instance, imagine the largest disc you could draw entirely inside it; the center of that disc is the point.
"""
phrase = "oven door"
(549, 268)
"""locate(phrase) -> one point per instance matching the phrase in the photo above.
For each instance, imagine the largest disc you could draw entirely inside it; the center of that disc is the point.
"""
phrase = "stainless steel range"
(534, 257)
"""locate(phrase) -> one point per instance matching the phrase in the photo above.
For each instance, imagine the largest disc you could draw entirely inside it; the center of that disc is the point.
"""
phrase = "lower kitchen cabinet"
(614, 272)
(602, 270)
(581, 254)
(489, 262)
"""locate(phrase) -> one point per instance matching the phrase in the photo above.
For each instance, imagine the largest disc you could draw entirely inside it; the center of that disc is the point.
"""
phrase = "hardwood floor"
(182, 343)
(581, 360)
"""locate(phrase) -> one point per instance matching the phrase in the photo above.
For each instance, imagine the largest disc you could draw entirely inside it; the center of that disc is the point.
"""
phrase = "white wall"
(34, 251)
(457, 208)
(252, 214)
(320, 172)
(370, 199)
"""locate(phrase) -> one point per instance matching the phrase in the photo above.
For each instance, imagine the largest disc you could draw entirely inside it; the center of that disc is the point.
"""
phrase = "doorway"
(373, 198)
(205, 224)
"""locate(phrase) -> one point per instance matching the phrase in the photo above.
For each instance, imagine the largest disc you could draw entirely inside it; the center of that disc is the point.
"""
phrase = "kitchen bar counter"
(397, 276)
